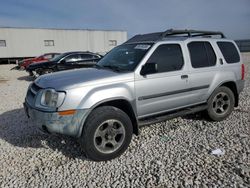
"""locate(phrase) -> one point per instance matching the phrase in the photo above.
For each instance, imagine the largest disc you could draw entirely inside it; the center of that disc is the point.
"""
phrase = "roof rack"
(174, 33)
(192, 33)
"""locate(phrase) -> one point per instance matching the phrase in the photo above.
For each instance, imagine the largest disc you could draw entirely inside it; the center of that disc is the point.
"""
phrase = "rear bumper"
(52, 122)
(240, 85)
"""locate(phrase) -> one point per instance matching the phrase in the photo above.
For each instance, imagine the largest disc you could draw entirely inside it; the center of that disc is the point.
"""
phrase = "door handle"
(184, 76)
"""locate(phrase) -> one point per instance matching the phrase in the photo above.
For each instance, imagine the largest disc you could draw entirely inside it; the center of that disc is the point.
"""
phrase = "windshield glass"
(125, 57)
(57, 58)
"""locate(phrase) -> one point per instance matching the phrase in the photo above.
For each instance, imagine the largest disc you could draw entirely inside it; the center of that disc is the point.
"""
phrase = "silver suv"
(150, 78)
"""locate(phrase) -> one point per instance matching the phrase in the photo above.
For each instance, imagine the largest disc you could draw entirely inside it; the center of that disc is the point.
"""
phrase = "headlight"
(52, 98)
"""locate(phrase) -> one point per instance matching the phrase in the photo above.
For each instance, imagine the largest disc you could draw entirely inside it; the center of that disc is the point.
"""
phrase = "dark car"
(65, 61)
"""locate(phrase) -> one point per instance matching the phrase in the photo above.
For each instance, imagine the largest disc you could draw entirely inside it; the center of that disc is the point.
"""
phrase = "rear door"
(203, 68)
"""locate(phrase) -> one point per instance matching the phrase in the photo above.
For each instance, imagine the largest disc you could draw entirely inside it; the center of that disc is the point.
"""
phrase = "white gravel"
(172, 154)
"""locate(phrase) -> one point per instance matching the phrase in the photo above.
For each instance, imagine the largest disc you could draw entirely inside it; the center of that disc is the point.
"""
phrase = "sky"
(134, 16)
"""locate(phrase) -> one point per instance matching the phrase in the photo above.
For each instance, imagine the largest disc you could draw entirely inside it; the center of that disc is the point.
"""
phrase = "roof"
(172, 34)
(76, 52)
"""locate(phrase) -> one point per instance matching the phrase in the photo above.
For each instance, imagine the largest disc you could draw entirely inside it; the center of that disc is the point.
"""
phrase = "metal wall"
(28, 42)
(245, 57)
(244, 45)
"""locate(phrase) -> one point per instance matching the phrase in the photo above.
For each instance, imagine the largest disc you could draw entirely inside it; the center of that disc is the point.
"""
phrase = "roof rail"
(171, 32)
(191, 33)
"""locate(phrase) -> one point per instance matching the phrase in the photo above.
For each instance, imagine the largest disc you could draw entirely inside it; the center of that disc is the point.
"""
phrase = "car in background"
(65, 61)
(45, 57)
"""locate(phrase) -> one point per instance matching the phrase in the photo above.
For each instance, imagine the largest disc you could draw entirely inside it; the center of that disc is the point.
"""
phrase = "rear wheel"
(220, 104)
(106, 133)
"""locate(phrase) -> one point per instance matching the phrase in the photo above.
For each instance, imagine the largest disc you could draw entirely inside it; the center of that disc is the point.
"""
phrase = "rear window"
(229, 52)
(202, 54)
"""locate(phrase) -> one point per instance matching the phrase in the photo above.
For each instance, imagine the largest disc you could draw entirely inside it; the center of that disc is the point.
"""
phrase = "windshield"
(57, 58)
(125, 57)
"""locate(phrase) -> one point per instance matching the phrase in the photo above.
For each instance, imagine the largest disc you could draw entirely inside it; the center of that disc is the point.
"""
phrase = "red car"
(45, 57)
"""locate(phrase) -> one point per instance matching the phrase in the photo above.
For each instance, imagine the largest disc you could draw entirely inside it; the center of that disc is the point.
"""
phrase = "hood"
(81, 77)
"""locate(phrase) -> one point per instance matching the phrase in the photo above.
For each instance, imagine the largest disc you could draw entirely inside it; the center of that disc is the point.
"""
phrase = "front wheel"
(106, 134)
(39, 72)
(220, 104)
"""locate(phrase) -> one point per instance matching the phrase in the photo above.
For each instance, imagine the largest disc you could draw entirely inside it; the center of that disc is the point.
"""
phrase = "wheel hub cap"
(109, 136)
(221, 103)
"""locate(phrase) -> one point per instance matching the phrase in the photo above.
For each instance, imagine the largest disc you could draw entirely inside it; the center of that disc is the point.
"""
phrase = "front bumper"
(54, 123)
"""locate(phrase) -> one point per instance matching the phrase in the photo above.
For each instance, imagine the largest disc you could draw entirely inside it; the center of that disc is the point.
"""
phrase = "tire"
(36, 73)
(31, 73)
(220, 104)
(106, 134)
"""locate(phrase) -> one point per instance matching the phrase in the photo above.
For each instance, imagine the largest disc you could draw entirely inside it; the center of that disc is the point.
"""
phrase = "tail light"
(242, 72)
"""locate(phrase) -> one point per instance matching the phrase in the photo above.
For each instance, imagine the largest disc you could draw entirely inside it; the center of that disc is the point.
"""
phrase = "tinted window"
(201, 54)
(168, 57)
(55, 55)
(72, 58)
(229, 52)
(86, 56)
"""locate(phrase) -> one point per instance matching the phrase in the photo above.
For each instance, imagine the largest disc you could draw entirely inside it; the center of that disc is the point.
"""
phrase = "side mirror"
(149, 68)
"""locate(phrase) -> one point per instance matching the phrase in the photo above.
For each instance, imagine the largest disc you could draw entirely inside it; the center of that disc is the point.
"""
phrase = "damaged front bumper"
(52, 122)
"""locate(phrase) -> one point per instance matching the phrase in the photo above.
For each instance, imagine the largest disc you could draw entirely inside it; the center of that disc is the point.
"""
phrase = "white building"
(18, 43)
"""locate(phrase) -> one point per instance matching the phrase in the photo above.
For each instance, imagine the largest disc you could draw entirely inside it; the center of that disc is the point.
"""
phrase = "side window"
(55, 55)
(168, 57)
(229, 52)
(86, 56)
(96, 57)
(72, 58)
(201, 54)
(48, 56)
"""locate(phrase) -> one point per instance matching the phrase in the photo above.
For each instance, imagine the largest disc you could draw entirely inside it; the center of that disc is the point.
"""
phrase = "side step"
(171, 115)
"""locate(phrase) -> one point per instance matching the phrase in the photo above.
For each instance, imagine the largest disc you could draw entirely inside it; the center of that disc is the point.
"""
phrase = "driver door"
(163, 91)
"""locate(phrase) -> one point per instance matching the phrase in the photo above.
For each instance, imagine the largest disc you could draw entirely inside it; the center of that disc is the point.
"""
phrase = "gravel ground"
(176, 153)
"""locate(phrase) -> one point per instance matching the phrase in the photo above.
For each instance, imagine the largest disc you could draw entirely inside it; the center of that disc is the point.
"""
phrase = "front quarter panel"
(89, 96)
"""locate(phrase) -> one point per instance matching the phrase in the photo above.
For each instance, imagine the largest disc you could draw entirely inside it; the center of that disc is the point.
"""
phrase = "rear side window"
(168, 58)
(201, 54)
(86, 56)
(229, 52)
